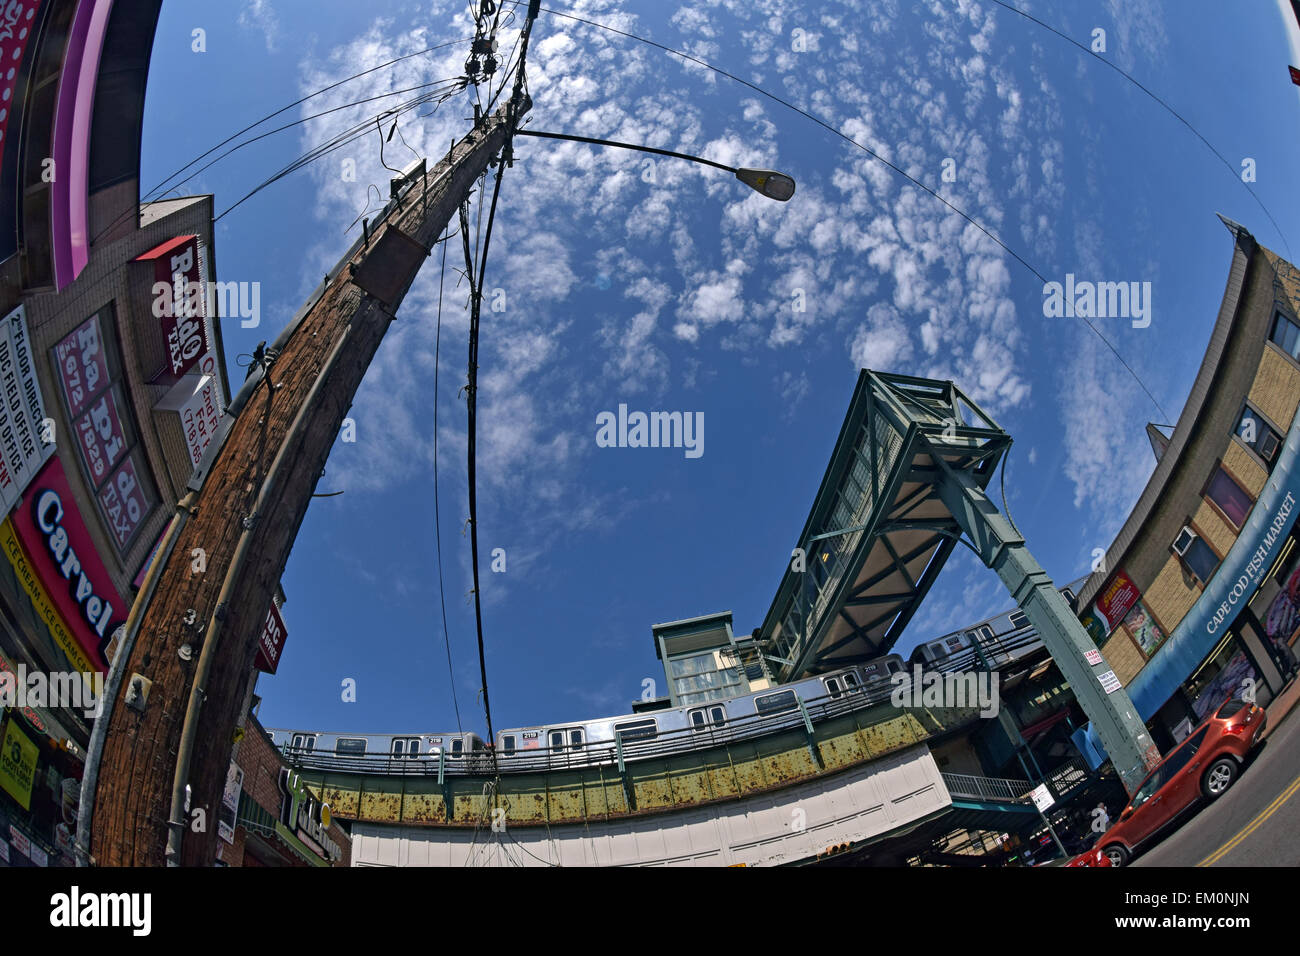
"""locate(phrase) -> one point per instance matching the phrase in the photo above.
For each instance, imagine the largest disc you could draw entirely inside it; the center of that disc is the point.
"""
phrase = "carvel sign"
(178, 301)
(54, 534)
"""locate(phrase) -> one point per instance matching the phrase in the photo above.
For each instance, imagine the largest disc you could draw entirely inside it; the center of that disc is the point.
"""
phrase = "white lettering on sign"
(1257, 562)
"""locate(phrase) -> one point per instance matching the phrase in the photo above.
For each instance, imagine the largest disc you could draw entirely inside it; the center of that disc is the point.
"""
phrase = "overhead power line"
(870, 152)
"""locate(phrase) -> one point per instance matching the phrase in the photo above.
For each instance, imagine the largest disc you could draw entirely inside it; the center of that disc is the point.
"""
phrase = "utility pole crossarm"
(245, 517)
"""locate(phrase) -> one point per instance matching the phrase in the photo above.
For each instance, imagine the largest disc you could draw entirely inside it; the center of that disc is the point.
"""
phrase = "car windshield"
(1145, 791)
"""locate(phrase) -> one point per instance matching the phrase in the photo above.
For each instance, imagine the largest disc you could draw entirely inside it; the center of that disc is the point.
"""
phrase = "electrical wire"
(154, 191)
(338, 142)
(870, 152)
(437, 523)
(1163, 104)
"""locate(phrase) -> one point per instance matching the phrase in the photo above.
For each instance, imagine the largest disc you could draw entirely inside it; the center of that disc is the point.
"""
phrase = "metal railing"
(608, 752)
(999, 789)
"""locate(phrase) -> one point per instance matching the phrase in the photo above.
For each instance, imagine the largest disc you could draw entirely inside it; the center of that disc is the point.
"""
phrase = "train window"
(457, 747)
(637, 729)
(833, 687)
(406, 747)
(508, 743)
(851, 682)
(303, 742)
(704, 717)
(775, 703)
(1019, 619)
(556, 738)
(350, 745)
(575, 739)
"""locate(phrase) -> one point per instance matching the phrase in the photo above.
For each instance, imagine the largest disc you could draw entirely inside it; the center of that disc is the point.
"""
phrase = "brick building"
(1201, 588)
(112, 379)
(262, 824)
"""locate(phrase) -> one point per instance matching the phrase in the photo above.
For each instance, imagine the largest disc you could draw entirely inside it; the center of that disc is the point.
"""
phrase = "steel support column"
(1122, 732)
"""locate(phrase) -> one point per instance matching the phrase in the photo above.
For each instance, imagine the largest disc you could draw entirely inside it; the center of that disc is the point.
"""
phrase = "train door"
(303, 742)
(406, 748)
(712, 717)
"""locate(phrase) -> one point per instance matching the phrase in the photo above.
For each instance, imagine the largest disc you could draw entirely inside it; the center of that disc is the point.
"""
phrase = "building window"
(1286, 334)
(1229, 497)
(1196, 555)
(1259, 436)
(698, 679)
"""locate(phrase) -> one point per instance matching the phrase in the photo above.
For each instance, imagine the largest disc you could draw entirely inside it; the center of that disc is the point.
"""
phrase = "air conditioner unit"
(1184, 541)
(1268, 446)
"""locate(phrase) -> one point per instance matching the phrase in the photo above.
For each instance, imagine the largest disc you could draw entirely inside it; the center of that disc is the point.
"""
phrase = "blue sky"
(678, 294)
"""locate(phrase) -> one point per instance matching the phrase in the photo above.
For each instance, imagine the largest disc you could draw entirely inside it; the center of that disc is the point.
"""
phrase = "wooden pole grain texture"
(133, 802)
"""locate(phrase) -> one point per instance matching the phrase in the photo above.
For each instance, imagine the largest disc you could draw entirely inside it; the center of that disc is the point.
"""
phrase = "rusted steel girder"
(245, 518)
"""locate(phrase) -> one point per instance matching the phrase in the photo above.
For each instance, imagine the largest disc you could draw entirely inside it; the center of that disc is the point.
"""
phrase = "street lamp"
(768, 182)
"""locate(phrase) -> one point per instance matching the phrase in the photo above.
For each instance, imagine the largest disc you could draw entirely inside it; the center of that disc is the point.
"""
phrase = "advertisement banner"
(1144, 629)
(81, 366)
(179, 301)
(271, 642)
(17, 30)
(17, 765)
(1114, 601)
(101, 438)
(22, 412)
(199, 418)
(78, 659)
(54, 534)
(125, 504)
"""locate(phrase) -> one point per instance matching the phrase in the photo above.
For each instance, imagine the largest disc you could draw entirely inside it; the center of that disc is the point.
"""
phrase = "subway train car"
(602, 740)
(646, 735)
(376, 752)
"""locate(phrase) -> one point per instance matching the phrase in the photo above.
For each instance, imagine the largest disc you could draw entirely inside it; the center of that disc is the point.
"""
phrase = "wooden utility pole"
(198, 631)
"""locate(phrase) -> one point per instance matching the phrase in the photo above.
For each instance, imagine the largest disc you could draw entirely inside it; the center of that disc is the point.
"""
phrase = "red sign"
(271, 642)
(1116, 599)
(178, 301)
(54, 534)
(1295, 75)
(17, 17)
(99, 433)
(125, 503)
(81, 366)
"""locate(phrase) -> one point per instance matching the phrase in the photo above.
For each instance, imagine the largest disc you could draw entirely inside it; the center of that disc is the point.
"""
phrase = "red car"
(1202, 767)
(1093, 857)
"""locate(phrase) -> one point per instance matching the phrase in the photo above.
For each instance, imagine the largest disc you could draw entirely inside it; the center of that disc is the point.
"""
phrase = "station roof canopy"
(878, 533)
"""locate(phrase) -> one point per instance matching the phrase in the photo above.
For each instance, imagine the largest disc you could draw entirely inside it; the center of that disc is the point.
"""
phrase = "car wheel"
(1219, 777)
(1117, 854)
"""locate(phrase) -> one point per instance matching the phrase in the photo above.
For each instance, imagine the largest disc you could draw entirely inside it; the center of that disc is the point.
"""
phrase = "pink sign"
(125, 503)
(178, 301)
(81, 366)
(54, 534)
(99, 433)
(17, 17)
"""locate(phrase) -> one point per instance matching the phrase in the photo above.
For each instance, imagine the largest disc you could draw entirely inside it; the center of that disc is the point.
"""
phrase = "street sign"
(1042, 797)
